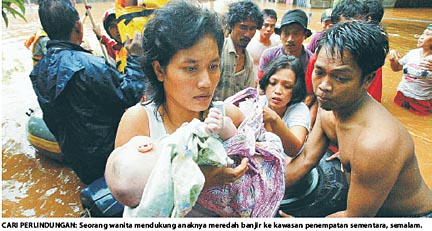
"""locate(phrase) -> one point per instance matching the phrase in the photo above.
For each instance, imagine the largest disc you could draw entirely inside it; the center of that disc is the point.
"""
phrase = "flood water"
(33, 186)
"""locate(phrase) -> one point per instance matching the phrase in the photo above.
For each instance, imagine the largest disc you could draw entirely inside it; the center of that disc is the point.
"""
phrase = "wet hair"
(242, 11)
(269, 13)
(177, 26)
(376, 10)
(349, 9)
(58, 17)
(366, 42)
(287, 62)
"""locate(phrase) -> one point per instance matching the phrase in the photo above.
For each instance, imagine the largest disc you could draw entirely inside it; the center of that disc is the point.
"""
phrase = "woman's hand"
(269, 115)
(224, 175)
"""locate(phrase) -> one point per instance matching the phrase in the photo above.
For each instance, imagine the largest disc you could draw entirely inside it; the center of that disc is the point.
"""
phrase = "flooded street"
(33, 186)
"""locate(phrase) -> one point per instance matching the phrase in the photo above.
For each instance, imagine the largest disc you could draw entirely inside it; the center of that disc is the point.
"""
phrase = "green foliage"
(8, 7)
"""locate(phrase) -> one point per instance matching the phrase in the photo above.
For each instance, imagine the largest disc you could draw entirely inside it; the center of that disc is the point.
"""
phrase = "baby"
(143, 153)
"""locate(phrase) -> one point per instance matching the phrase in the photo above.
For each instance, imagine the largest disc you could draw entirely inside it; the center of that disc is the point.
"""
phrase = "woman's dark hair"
(177, 26)
(58, 17)
(366, 42)
(242, 11)
(287, 62)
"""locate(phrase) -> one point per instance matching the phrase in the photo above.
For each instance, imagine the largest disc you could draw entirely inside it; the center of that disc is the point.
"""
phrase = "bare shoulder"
(383, 139)
(327, 122)
(134, 122)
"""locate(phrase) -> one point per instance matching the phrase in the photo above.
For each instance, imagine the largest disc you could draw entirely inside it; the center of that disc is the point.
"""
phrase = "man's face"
(336, 83)
(268, 28)
(242, 33)
(292, 37)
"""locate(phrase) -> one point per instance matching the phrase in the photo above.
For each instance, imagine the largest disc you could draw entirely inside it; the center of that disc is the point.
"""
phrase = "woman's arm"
(134, 122)
(293, 138)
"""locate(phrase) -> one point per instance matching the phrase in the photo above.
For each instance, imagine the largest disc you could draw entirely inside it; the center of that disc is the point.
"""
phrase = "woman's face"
(280, 88)
(191, 76)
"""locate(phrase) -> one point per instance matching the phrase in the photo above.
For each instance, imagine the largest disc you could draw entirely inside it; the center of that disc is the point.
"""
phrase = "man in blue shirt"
(81, 96)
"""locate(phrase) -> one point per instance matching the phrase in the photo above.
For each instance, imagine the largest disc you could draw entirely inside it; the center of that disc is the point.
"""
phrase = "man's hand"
(134, 46)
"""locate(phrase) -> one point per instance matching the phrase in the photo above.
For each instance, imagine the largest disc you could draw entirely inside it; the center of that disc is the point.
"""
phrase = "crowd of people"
(184, 64)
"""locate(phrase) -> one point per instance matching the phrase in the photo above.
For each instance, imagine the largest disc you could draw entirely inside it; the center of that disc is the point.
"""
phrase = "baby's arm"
(218, 124)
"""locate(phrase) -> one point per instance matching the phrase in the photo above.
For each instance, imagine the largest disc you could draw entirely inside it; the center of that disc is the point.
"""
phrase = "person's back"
(82, 98)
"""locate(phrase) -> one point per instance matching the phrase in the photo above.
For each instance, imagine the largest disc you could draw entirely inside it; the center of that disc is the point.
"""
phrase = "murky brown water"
(36, 187)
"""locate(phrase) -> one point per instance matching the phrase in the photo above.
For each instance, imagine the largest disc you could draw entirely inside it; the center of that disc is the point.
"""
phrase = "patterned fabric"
(176, 180)
(259, 192)
(176, 183)
(231, 82)
(83, 100)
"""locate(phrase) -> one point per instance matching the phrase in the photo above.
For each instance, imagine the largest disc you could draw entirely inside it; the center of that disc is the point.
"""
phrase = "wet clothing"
(416, 106)
(415, 88)
(83, 99)
(416, 83)
(231, 81)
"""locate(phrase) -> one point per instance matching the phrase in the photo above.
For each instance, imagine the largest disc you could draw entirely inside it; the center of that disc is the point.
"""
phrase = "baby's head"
(138, 157)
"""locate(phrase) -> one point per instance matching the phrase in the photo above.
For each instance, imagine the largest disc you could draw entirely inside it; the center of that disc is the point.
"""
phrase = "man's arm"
(316, 144)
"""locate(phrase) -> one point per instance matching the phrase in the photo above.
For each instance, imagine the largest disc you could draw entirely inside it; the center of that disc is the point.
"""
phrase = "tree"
(7, 7)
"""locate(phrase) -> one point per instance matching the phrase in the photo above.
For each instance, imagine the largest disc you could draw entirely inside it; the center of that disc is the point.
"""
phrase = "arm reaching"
(394, 57)
(302, 164)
